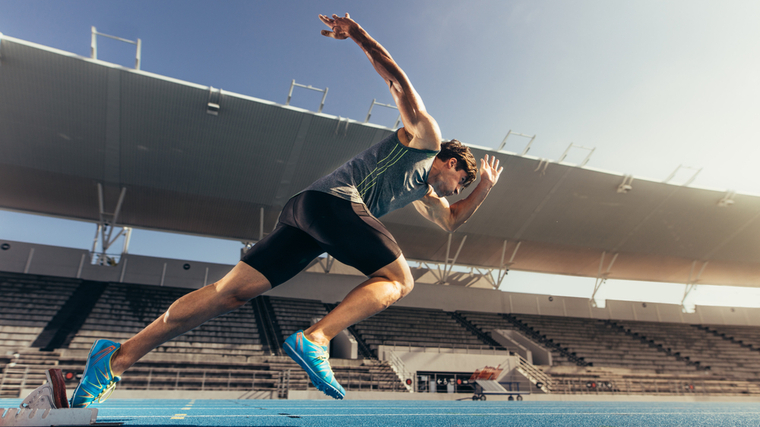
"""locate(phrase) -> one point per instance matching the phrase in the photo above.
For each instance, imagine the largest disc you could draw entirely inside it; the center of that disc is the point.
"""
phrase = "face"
(450, 181)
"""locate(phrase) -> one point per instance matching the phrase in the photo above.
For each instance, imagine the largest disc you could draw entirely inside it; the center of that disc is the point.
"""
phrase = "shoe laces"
(323, 356)
(102, 397)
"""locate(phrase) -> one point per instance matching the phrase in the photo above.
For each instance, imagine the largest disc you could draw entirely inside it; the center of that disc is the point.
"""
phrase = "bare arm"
(421, 129)
(451, 217)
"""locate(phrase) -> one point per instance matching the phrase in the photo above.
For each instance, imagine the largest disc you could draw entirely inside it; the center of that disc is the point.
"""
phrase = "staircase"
(535, 375)
(26, 371)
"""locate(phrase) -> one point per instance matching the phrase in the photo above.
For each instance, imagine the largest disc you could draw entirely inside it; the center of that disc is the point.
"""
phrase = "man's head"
(455, 169)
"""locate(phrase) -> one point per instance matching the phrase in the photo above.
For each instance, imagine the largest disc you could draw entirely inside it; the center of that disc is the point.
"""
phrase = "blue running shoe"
(98, 382)
(313, 359)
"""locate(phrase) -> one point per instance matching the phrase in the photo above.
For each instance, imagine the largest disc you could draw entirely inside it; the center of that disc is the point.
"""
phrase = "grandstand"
(595, 351)
(55, 301)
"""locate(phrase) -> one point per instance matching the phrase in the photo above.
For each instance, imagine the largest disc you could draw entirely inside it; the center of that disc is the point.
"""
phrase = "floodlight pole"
(94, 46)
(693, 177)
(374, 102)
(310, 87)
(527, 147)
(583, 163)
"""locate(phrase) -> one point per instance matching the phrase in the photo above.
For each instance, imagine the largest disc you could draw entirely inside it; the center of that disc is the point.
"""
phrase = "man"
(338, 215)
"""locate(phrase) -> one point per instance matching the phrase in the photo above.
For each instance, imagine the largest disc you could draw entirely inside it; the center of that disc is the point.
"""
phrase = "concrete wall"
(430, 359)
(66, 262)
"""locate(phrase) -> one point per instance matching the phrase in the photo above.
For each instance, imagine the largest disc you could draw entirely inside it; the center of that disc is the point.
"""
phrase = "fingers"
(490, 162)
(327, 33)
(326, 20)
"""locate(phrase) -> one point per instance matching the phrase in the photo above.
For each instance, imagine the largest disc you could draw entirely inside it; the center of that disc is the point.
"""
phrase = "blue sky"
(650, 84)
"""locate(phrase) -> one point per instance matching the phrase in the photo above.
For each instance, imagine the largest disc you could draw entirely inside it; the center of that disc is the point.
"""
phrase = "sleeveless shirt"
(385, 177)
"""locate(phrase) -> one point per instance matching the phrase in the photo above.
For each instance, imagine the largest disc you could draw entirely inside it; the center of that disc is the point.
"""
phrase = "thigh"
(348, 232)
(243, 282)
(282, 254)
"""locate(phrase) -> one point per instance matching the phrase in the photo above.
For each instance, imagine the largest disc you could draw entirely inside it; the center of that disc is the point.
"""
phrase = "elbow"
(452, 226)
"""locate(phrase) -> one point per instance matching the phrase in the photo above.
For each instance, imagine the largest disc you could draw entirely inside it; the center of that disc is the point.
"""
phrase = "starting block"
(47, 406)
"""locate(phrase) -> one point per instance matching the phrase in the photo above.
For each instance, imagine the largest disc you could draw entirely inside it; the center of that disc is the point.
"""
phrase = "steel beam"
(691, 285)
(601, 278)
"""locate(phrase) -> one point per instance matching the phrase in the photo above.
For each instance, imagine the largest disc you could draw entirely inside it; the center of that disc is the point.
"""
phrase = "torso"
(387, 176)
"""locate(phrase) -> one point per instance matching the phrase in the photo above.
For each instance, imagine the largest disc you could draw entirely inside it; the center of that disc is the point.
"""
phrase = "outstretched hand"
(339, 25)
(490, 170)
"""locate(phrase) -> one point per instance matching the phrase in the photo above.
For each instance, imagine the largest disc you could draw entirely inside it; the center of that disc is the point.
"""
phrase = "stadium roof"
(69, 124)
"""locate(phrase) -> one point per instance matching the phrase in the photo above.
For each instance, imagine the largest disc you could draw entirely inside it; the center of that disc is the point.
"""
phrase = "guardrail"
(471, 349)
(402, 371)
(653, 386)
(535, 375)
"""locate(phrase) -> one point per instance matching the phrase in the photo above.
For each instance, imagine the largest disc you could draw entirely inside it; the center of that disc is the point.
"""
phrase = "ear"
(452, 162)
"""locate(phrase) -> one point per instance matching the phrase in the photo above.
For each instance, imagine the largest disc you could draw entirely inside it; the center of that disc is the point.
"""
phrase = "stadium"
(127, 149)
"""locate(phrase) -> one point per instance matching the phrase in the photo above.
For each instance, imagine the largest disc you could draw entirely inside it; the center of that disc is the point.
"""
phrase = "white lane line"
(501, 414)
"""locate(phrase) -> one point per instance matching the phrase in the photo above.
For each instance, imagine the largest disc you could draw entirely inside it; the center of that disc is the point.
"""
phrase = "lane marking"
(499, 414)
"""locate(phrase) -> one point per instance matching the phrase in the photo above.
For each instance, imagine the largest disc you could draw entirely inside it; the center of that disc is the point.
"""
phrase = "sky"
(650, 85)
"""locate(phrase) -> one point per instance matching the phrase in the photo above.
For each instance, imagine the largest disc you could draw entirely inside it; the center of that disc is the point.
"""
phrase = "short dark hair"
(465, 159)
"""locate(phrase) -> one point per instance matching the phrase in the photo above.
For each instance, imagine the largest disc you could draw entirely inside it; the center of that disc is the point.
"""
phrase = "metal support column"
(601, 278)
(443, 275)
(691, 285)
(503, 270)
(104, 233)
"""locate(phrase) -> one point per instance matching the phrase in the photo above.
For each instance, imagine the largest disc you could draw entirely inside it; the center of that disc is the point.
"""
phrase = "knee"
(404, 283)
(230, 297)
(406, 286)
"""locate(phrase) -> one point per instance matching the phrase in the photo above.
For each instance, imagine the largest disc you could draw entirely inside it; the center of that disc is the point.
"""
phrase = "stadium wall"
(20, 257)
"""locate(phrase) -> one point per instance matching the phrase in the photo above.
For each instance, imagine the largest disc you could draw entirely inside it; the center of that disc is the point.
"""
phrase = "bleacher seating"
(747, 336)
(488, 322)
(27, 303)
(698, 346)
(602, 344)
(123, 310)
(293, 314)
(419, 327)
(226, 352)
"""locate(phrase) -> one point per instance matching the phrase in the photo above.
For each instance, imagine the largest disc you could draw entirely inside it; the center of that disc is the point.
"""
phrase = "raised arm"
(421, 129)
(451, 217)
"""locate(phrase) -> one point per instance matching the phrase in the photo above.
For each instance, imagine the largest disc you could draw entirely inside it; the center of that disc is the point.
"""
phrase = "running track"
(418, 413)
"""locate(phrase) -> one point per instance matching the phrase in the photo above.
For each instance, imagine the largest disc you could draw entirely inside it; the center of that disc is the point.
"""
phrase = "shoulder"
(432, 200)
(425, 135)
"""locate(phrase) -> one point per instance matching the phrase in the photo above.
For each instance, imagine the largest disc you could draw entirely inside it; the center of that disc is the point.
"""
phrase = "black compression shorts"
(312, 223)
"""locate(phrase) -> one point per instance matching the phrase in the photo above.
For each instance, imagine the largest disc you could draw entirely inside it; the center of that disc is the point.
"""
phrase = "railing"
(401, 370)
(467, 349)
(279, 382)
(207, 379)
(283, 386)
(542, 339)
(653, 386)
(535, 375)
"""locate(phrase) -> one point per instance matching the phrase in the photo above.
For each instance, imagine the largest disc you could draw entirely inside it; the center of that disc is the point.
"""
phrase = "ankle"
(117, 364)
(316, 337)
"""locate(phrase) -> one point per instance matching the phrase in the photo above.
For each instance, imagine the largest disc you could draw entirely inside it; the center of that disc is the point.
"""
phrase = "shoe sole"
(312, 375)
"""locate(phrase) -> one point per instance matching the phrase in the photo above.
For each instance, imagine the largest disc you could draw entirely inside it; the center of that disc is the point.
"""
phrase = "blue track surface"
(419, 413)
